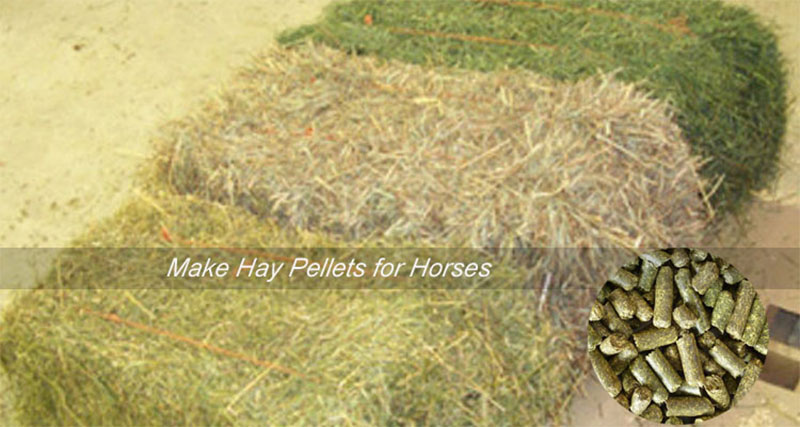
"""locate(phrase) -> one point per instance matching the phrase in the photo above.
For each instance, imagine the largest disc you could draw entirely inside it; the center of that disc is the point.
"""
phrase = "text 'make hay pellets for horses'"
(693, 331)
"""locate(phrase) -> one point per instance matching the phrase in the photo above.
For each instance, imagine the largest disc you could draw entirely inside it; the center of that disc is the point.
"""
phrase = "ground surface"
(86, 83)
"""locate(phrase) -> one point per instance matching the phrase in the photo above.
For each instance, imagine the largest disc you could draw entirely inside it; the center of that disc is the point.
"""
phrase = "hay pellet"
(597, 312)
(707, 274)
(731, 384)
(671, 353)
(690, 360)
(649, 339)
(727, 359)
(643, 310)
(662, 309)
(614, 323)
(722, 310)
(619, 364)
(731, 275)
(608, 379)
(715, 388)
(684, 317)
(738, 348)
(755, 323)
(613, 344)
(629, 383)
(674, 421)
(640, 399)
(710, 366)
(650, 296)
(666, 373)
(647, 276)
(642, 372)
(763, 340)
(706, 340)
(690, 390)
(690, 297)
(680, 258)
(741, 309)
(622, 304)
(749, 377)
(624, 279)
(653, 413)
(593, 339)
(689, 406)
(632, 263)
(601, 329)
(657, 258)
(622, 400)
(698, 255)
(710, 298)
(602, 294)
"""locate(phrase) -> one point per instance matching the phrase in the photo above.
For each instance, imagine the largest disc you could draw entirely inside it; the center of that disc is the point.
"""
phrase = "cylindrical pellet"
(662, 310)
(715, 388)
(731, 275)
(722, 310)
(741, 309)
(755, 323)
(727, 359)
(680, 258)
(690, 297)
(653, 413)
(707, 274)
(622, 400)
(763, 340)
(642, 372)
(624, 279)
(710, 366)
(698, 255)
(640, 399)
(671, 353)
(684, 317)
(750, 376)
(593, 339)
(649, 339)
(690, 360)
(731, 384)
(661, 366)
(619, 363)
(615, 323)
(601, 329)
(606, 289)
(688, 406)
(706, 340)
(657, 258)
(622, 304)
(629, 383)
(597, 312)
(690, 390)
(607, 378)
(647, 276)
(643, 310)
(674, 421)
(710, 298)
(632, 263)
(613, 344)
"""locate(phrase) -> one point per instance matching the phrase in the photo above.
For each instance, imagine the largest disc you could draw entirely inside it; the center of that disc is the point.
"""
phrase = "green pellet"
(597, 312)
(755, 323)
(614, 323)
(690, 297)
(642, 372)
(741, 309)
(643, 310)
(662, 309)
(738, 348)
(622, 400)
(690, 390)
(601, 329)
(629, 383)
(690, 360)
(632, 264)
(707, 274)
(675, 421)
(730, 384)
(653, 413)
(689, 406)
(619, 363)
(622, 304)
(613, 344)
(602, 294)
(710, 298)
(727, 359)
(763, 340)
(593, 339)
(698, 255)
(640, 399)
(671, 353)
(657, 258)
(684, 317)
(664, 370)
(650, 296)
(706, 340)
(649, 339)
(648, 276)
(749, 377)
(731, 275)
(721, 262)
(722, 310)
(608, 379)
(624, 279)
(680, 258)
(715, 388)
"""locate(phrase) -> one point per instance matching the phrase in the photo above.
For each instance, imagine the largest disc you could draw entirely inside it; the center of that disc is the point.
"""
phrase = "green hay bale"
(715, 63)
(373, 357)
(323, 141)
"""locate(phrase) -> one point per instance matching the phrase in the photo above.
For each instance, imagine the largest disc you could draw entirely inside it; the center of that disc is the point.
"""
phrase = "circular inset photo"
(677, 336)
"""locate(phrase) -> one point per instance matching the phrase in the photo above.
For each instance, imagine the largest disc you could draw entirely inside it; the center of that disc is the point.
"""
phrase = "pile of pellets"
(677, 336)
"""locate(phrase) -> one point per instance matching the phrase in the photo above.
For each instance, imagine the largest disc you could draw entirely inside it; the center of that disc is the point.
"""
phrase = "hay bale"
(353, 357)
(323, 141)
(716, 63)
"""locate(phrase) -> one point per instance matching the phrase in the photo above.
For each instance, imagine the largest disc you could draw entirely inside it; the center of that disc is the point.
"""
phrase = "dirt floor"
(88, 82)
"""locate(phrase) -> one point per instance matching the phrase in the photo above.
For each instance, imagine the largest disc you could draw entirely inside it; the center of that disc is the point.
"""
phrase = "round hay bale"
(361, 149)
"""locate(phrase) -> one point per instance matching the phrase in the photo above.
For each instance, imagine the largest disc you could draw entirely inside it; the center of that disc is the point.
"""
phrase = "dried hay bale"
(324, 141)
(345, 357)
